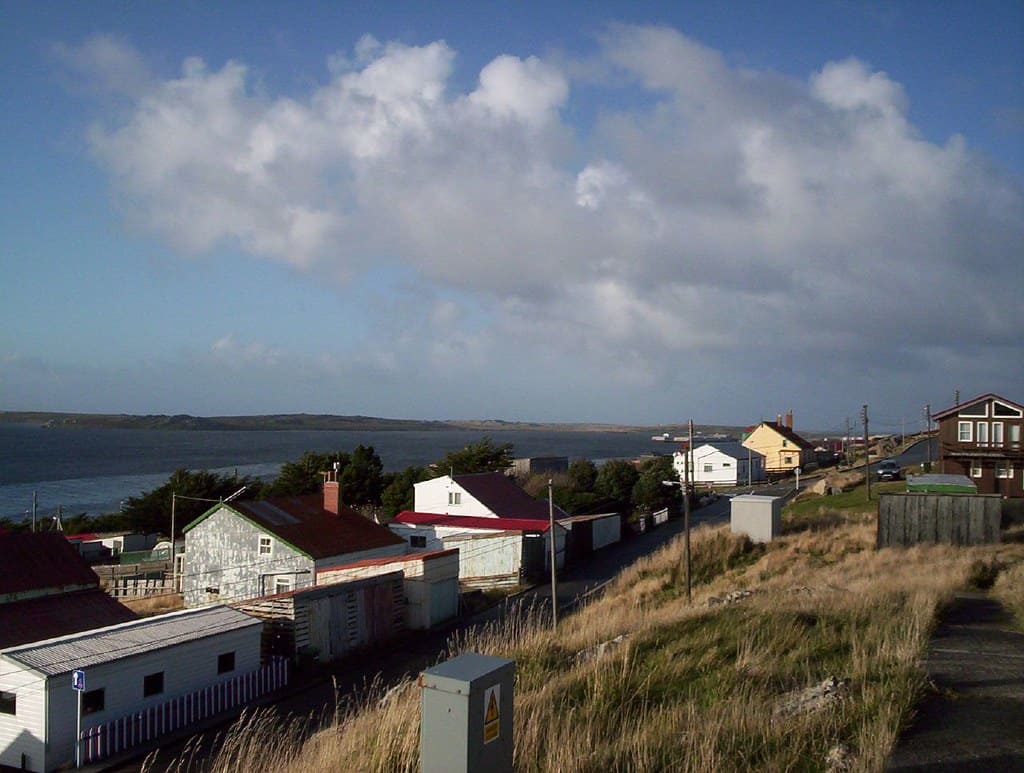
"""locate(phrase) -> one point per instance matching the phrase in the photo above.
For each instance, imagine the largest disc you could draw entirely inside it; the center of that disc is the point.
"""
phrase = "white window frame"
(283, 585)
(1014, 433)
(981, 432)
(1004, 470)
(975, 469)
(454, 497)
(997, 433)
(982, 415)
(965, 437)
(268, 543)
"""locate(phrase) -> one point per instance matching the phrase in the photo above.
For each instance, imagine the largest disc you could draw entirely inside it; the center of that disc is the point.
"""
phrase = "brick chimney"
(789, 419)
(332, 492)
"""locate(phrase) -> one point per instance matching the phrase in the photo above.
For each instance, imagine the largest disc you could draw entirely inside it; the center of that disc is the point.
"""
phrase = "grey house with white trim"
(128, 667)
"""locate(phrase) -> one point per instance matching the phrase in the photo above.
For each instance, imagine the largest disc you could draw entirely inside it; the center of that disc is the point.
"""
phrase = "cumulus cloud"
(733, 210)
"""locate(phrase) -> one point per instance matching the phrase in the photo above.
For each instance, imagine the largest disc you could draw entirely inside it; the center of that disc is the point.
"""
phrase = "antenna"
(237, 493)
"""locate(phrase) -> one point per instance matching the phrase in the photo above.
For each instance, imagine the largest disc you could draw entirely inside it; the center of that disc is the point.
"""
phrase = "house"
(104, 546)
(47, 589)
(981, 438)
(481, 495)
(783, 450)
(161, 672)
(430, 582)
(330, 621)
(502, 533)
(588, 533)
(493, 551)
(247, 548)
(722, 464)
(526, 466)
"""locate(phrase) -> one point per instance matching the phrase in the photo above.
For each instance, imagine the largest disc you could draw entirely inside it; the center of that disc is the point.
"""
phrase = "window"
(982, 432)
(1004, 470)
(787, 460)
(93, 701)
(7, 702)
(265, 546)
(727, 464)
(975, 469)
(213, 592)
(225, 662)
(455, 497)
(997, 433)
(964, 431)
(708, 468)
(1015, 433)
(282, 584)
(417, 541)
(153, 684)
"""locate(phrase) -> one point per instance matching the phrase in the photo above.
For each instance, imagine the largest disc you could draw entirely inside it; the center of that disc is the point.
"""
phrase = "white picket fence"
(139, 727)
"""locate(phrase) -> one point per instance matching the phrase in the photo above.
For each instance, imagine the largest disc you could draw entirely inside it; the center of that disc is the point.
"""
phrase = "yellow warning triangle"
(492, 709)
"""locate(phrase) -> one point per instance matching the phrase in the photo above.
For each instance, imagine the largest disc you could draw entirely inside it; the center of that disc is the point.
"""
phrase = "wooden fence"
(131, 730)
(138, 587)
(950, 519)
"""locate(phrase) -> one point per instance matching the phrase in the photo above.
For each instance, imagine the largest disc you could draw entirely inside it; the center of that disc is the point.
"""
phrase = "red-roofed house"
(493, 552)
(48, 590)
(248, 548)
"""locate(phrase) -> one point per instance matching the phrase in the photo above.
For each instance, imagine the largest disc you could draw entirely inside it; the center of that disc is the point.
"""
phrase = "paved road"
(312, 694)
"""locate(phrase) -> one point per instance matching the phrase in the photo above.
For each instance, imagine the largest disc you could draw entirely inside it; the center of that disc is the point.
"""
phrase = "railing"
(963, 447)
(131, 730)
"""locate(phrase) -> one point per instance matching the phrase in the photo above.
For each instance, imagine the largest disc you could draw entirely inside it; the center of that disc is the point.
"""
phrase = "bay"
(94, 470)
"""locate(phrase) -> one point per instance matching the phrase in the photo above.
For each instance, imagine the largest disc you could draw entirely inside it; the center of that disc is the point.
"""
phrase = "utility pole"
(867, 450)
(928, 432)
(686, 510)
(551, 539)
(35, 508)
(846, 447)
(174, 562)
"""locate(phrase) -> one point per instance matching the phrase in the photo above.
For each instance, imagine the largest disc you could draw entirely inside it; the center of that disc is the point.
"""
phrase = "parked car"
(887, 469)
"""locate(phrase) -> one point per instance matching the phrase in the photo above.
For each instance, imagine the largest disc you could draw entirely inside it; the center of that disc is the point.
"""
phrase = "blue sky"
(619, 212)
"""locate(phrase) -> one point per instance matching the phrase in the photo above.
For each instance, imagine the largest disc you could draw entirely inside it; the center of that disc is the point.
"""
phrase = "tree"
(304, 476)
(615, 481)
(484, 456)
(399, 494)
(649, 492)
(362, 480)
(151, 511)
(582, 475)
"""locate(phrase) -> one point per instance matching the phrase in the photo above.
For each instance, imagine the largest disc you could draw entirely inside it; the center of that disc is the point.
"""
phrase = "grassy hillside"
(802, 654)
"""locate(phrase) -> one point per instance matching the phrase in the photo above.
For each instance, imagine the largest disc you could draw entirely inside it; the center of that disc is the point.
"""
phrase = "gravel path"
(973, 719)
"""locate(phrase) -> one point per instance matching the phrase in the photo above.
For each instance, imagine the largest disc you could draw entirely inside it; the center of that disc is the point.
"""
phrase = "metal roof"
(47, 617)
(104, 645)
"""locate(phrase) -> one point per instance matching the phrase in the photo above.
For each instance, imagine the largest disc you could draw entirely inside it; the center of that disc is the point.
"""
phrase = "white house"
(480, 495)
(722, 464)
(248, 548)
(140, 666)
(430, 582)
(493, 552)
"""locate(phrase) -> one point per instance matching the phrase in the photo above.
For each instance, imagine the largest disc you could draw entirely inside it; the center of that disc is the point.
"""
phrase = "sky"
(586, 212)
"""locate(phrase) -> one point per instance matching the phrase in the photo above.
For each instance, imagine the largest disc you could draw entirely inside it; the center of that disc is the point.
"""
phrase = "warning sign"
(492, 700)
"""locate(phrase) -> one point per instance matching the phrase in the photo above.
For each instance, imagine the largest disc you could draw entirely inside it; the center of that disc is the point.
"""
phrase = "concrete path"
(973, 719)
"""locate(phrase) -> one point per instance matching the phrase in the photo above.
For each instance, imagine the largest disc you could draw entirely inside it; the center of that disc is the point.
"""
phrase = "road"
(315, 694)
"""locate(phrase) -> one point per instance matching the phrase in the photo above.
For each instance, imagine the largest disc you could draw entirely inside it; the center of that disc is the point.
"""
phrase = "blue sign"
(78, 680)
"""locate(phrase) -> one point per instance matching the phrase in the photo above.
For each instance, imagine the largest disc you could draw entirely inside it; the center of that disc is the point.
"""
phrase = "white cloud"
(735, 211)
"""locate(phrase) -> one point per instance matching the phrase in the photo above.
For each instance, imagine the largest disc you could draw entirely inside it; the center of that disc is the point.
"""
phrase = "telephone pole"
(551, 539)
(686, 510)
(867, 449)
(846, 447)
(928, 432)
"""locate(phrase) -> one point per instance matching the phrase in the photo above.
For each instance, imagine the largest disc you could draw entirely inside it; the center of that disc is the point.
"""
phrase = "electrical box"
(758, 516)
(466, 715)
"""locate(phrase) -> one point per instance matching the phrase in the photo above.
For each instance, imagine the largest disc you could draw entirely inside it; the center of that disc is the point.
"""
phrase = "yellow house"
(783, 450)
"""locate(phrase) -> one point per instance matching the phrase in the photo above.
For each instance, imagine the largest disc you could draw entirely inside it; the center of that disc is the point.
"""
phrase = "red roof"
(499, 494)
(42, 561)
(470, 521)
(423, 556)
(303, 523)
(31, 620)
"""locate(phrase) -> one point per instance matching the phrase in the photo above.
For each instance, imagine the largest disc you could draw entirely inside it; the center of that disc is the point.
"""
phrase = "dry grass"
(147, 606)
(695, 687)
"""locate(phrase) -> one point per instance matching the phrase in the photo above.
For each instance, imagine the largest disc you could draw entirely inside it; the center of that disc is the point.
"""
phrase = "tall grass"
(694, 687)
